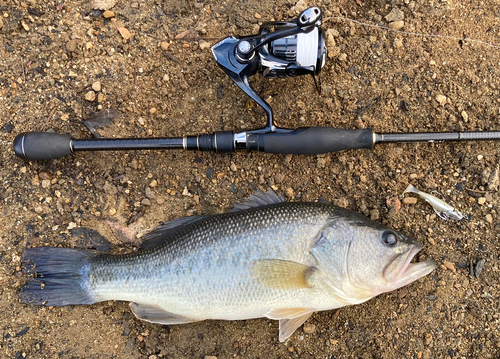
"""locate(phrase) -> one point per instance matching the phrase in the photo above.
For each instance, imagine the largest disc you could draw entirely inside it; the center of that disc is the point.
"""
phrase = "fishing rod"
(280, 50)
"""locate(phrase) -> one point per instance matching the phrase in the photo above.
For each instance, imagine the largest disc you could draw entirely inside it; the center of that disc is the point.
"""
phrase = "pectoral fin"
(280, 274)
(154, 314)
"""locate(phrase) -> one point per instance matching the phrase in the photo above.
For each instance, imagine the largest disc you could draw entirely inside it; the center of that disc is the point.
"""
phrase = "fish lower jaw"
(411, 273)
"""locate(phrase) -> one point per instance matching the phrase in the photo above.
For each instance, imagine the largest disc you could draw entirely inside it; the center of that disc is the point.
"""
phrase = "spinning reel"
(293, 49)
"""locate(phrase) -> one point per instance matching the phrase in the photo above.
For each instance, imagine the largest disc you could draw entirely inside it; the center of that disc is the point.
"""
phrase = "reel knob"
(244, 51)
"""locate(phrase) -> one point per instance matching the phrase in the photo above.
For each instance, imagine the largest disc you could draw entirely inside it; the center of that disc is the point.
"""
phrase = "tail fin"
(60, 278)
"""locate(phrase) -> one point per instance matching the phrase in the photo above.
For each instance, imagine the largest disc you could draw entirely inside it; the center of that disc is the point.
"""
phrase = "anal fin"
(155, 314)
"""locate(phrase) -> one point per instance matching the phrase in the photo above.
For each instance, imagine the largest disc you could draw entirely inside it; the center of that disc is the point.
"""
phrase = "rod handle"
(311, 141)
(42, 145)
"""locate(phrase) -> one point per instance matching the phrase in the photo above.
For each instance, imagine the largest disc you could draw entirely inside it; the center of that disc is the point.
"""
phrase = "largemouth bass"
(267, 258)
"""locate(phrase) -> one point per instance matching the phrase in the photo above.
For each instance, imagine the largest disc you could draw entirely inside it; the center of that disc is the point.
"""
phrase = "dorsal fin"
(161, 233)
(260, 198)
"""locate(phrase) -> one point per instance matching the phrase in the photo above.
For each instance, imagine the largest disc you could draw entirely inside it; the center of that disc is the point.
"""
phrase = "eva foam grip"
(311, 141)
(38, 146)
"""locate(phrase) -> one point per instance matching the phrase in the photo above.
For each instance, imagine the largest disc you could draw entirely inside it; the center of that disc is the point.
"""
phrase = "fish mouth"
(407, 272)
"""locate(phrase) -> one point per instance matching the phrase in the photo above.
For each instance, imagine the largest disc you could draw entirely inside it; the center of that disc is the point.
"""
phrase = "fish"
(267, 258)
(444, 210)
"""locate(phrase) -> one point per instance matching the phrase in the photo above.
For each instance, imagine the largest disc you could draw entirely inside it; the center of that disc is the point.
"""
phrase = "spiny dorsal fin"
(280, 274)
(260, 198)
(155, 314)
(161, 233)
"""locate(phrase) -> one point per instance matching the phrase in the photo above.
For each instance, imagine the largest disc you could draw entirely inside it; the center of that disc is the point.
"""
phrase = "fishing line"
(411, 33)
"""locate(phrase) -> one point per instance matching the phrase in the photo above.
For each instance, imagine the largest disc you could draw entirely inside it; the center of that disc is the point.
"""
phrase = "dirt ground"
(166, 83)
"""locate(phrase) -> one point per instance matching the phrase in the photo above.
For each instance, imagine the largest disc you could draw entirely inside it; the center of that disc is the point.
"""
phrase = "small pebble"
(164, 45)
(465, 116)
(397, 25)
(153, 183)
(257, 15)
(233, 167)
(413, 176)
(309, 328)
(108, 14)
(96, 86)
(185, 192)
(489, 218)
(441, 99)
(480, 157)
(204, 45)
(71, 46)
(124, 32)
(112, 211)
(410, 200)
(46, 184)
(450, 266)
(479, 267)
(481, 200)
(146, 202)
(90, 96)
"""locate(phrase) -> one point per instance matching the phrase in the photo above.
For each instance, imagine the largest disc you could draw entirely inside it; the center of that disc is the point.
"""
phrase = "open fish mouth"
(408, 271)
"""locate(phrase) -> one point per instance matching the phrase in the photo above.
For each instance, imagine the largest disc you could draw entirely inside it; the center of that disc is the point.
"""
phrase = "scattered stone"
(71, 46)
(309, 328)
(204, 45)
(185, 192)
(153, 183)
(150, 193)
(441, 99)
(164, 45)
(108, 14)
(395, 15)
(393, 202)
(101, 97)
(465, 116)
(431, 240)
(398, 43)
(413, 176)
(481, 200)
(374, 214)
(45, 176)
(343, 57)
(90, 96)
(46, 183)
(221, 175)
(257, 15)
(300, 6)
(489, 218)
(410, 200)
(397, 25)
(72, 225)
(25, 27)
(153, 110)
(450, 266)
(494, 180)
(124, 32)
(102, 4)
(478, 268)
(146, 202)
(289, 192)
(112, 211)
(233, 167)
(96, 86)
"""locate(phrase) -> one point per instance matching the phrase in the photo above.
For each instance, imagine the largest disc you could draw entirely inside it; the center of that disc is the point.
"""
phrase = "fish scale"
(280, 260)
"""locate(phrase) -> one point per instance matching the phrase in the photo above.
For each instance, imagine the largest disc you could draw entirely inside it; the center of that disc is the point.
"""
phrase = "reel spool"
(281, 49)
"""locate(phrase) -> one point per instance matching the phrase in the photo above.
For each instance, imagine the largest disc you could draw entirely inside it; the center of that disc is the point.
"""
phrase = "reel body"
(281, 49)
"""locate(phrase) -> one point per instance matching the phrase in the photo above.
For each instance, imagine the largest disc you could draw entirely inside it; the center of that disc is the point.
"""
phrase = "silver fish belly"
(270, 259)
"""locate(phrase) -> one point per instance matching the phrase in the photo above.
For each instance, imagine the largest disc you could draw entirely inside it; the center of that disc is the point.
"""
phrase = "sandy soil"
(52, 53)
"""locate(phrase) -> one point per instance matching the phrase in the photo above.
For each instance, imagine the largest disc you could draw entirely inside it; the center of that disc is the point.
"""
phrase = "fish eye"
(390, 239)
